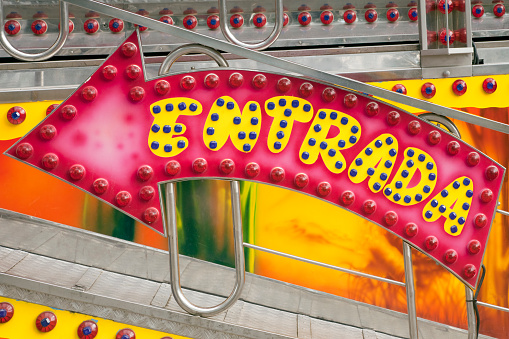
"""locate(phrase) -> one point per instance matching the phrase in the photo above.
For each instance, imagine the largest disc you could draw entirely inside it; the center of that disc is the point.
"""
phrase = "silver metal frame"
(290, 66)
(276, 31)
(410, 291)
(240, 271)
(54, 49)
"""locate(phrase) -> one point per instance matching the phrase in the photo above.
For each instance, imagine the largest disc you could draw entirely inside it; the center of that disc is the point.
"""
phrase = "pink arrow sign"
(119, 136)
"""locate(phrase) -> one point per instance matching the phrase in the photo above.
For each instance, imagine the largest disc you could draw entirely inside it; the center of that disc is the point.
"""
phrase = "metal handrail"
(191, 48)
(240, 272)
(258, 46)
(54, 49)
(410, 291)
(318, 263)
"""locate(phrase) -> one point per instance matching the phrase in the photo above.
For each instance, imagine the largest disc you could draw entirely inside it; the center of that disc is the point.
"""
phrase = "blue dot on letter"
(214, 117)
(305, 155)
(154, 145)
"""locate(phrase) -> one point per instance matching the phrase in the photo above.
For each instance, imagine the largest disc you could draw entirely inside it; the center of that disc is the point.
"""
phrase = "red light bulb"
(24, 150)
(306, 89)
(399, 88)
(393, 118)
(48, 132)
(49, 161)
(211, 80)
(369, 207)
(323, 189)
(473, 158)
(16, 115)
(469, 271)
(453, 147)
(489, 85)
(150, 216)
(329, 94)
(51, 108)
(77, 172)
(390, 218)
(227, 166)
(187, 83)
(109, 72)
(89, 93)
(172, 167)
(100, 185)
(252, 170)
(434, 137)
(411, 230)
(162, 87)
(147, 193)
(491, 173)
(486, 195)
(301, 180)
(347, 197)
(430, 243)
(284, 85)
(129, 49)
(200, 165)
(123, 198)
(474, 246)
(68, 112)
(137, 93)
(414, 127)
(450, 256)
(277, 174)
(145, 173)
(236, 80)
(350, 100)
(259, 81)
(480, 220)
(133, 71)
(372, 109)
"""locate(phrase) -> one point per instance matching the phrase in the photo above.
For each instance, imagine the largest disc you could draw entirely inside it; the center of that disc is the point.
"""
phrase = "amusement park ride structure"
(279, 121)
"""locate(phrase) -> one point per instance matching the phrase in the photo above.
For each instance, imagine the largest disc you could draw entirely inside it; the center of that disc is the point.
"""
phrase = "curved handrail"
(240, 275)
(191, 48)
(54, 49)
(255, 46)
(432, 117)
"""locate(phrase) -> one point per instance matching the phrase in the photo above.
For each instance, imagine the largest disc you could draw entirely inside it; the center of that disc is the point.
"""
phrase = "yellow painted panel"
(35, 112)
(22, 324)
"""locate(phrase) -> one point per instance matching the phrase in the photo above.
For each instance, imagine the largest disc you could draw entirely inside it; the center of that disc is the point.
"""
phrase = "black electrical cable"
(474, 300)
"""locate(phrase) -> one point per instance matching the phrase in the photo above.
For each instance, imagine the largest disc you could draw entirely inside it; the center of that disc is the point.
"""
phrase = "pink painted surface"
(109, 137)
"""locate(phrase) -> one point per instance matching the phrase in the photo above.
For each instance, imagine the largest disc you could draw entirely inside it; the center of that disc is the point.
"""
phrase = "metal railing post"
(470, 313)
(410, 291)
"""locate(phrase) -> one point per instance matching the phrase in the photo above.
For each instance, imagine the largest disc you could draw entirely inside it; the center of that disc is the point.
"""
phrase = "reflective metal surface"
(410, 290)
(54, 49)
(240, 270)
(276, 31)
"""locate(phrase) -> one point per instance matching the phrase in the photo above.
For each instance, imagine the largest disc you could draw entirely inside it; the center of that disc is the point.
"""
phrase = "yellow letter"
(285, 110)
(414, 160)
(316, 141)
(453, 203)
(375, 161)
(225, 120)
(160, 139)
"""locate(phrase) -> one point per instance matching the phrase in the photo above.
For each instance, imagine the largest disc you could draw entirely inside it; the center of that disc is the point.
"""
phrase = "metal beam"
(289, 66)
